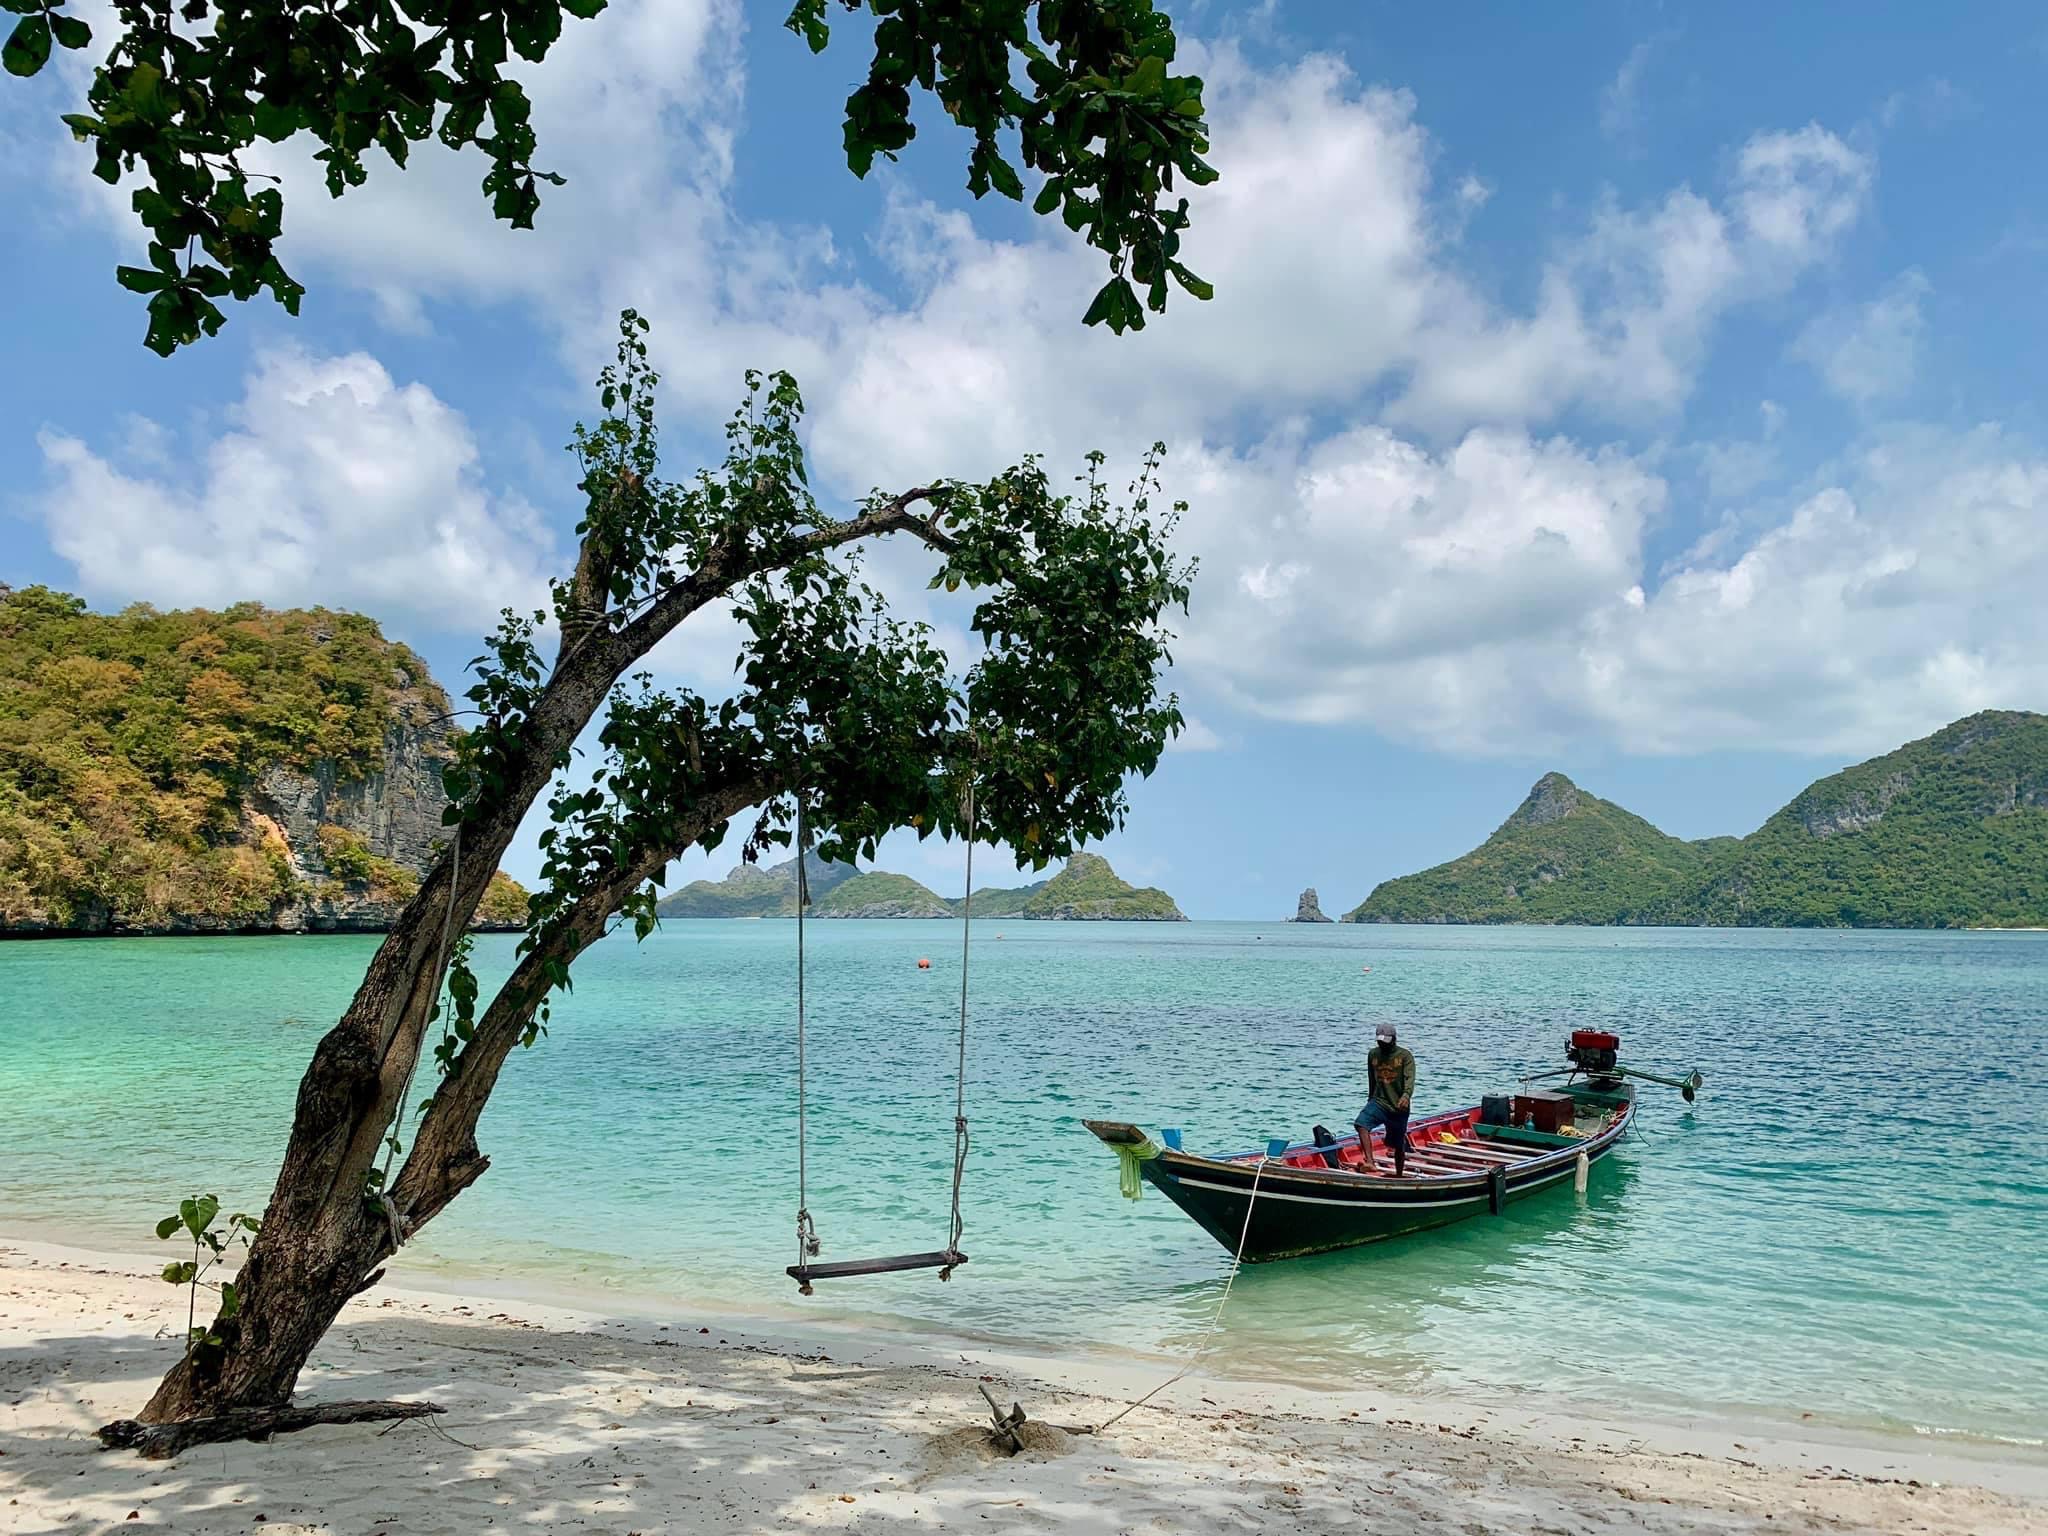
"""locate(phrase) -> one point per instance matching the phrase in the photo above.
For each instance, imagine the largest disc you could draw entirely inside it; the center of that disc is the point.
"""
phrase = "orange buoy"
(924, 965)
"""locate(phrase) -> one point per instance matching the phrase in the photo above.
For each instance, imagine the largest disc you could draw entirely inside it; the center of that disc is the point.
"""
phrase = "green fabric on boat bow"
(1129, 1157)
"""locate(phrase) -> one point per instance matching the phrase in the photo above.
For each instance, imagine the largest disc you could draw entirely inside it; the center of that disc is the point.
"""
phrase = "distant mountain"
(1564, 857)
(752, 890)
(1949, 831)
(1087, 889)
(881, 894)
(1005, 901)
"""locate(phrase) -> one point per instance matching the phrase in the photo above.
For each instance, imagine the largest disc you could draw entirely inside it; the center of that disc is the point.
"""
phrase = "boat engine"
(1597, 1053)
(1594, 1052)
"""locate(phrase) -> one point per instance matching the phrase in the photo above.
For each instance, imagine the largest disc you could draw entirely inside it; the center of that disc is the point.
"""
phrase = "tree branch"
(444, 1159)
(729, 563)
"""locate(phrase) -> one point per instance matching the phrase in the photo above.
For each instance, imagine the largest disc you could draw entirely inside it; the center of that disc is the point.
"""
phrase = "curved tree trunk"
(322, 1238)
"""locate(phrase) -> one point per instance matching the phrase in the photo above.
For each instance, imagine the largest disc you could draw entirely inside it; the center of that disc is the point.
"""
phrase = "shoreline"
(1115, 1372)
(120, 1303)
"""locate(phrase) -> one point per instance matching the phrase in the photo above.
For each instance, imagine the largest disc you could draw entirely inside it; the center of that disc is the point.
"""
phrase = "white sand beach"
(558, 1422)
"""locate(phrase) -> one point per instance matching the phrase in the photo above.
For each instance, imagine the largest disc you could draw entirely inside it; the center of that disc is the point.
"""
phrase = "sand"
(562, 1422)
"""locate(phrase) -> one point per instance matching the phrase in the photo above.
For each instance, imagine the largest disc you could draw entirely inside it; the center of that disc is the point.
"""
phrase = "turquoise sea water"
(1852, 1223)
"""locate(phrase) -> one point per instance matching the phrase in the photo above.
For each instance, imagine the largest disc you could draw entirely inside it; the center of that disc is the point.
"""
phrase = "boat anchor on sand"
(1327, 1193)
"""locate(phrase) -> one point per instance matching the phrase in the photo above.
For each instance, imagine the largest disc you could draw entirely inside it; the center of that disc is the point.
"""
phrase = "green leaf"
(70, 31)
(28, 46)
(1005, 177)
(141, 279)
(168, 1225)
(197, 1214)
(1148, 79)
(276, 120)
(1108, 305)
(230, 1300)
(181, 1273)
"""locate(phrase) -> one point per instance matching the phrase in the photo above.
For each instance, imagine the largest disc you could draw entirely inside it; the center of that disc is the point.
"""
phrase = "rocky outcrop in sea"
(1307, 910)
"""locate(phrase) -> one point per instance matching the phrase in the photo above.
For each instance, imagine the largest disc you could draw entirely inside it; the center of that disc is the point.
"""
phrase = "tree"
(183, 92)
(859, 713)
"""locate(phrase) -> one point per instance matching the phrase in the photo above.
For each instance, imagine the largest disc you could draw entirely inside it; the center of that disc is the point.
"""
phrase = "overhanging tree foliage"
(836, 700)
(186, 89)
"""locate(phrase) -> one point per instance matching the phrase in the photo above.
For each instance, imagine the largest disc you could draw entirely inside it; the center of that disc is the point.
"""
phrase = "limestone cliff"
(246, 771)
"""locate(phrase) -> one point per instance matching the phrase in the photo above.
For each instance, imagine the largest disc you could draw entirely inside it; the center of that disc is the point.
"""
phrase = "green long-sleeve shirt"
(1393, 1076)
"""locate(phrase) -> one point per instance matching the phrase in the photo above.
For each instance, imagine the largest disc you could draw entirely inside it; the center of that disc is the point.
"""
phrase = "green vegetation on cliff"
(881, 894)
(1004, 901)
(1949, 831)
(1564, 857)
(131, 745)
(1089, 889)
(126, 741)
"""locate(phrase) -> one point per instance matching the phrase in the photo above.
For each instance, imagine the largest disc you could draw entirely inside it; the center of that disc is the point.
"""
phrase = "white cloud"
(1623, 315)
(1196, 736)
(1367, 579)
(1621, 104)
(981, 352)
(1494, 598)
(332, 484)
(1869, 353)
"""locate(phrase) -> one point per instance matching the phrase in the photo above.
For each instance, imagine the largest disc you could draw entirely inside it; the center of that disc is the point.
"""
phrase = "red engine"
(1593, 1050)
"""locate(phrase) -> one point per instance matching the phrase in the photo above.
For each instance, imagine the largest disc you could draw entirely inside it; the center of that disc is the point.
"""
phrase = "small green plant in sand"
(195, 1218)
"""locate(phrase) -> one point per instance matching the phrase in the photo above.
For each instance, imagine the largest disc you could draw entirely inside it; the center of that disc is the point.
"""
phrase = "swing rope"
(949, 1258)
(806, 1229)
(960, 1138)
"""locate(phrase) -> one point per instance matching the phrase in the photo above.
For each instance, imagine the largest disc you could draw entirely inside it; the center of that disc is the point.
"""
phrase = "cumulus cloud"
(1624, 313)
(1870, 352)
(1494, 598)
(331, 484)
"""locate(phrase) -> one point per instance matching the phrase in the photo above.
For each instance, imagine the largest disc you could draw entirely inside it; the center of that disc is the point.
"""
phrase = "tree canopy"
(1083, 87)
(860, 714)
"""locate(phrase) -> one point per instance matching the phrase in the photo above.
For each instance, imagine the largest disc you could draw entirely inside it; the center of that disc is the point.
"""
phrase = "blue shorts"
(1376, 1115)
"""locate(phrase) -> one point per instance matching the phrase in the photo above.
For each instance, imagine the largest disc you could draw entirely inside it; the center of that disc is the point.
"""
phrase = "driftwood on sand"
(160, 1442)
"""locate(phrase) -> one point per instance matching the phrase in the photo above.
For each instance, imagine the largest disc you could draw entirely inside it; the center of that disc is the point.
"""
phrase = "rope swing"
(945, 1260)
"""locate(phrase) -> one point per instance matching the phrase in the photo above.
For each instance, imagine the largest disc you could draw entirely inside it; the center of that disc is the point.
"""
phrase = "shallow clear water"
(1850, 1224)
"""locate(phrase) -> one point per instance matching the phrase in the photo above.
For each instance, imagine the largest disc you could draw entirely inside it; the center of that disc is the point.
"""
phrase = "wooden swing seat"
(846, 1269)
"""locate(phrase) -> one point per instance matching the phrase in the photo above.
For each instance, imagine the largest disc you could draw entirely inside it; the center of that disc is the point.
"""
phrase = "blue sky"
(1648, 392)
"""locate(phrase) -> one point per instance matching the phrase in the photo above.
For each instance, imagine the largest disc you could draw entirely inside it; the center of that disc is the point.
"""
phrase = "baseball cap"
(1385, 1032)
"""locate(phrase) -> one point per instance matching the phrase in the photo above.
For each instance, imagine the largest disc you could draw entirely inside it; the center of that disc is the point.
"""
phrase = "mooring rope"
(1236, 1263)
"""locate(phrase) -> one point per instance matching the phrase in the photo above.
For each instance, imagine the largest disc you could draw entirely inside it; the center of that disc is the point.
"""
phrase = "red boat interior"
(1458, 1143)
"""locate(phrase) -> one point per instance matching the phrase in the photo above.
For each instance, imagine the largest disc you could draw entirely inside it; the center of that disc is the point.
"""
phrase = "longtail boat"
(1296, 1198)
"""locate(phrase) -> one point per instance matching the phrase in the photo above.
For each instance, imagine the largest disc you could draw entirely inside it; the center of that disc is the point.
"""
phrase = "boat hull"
(1278, 1210)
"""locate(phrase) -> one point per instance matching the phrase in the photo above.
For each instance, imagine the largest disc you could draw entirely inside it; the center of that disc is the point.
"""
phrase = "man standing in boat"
(1392, 1070)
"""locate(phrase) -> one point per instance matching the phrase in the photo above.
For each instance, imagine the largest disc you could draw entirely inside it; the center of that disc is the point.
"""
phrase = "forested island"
(1947, 832)
(1086, 890)
(251, 770)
